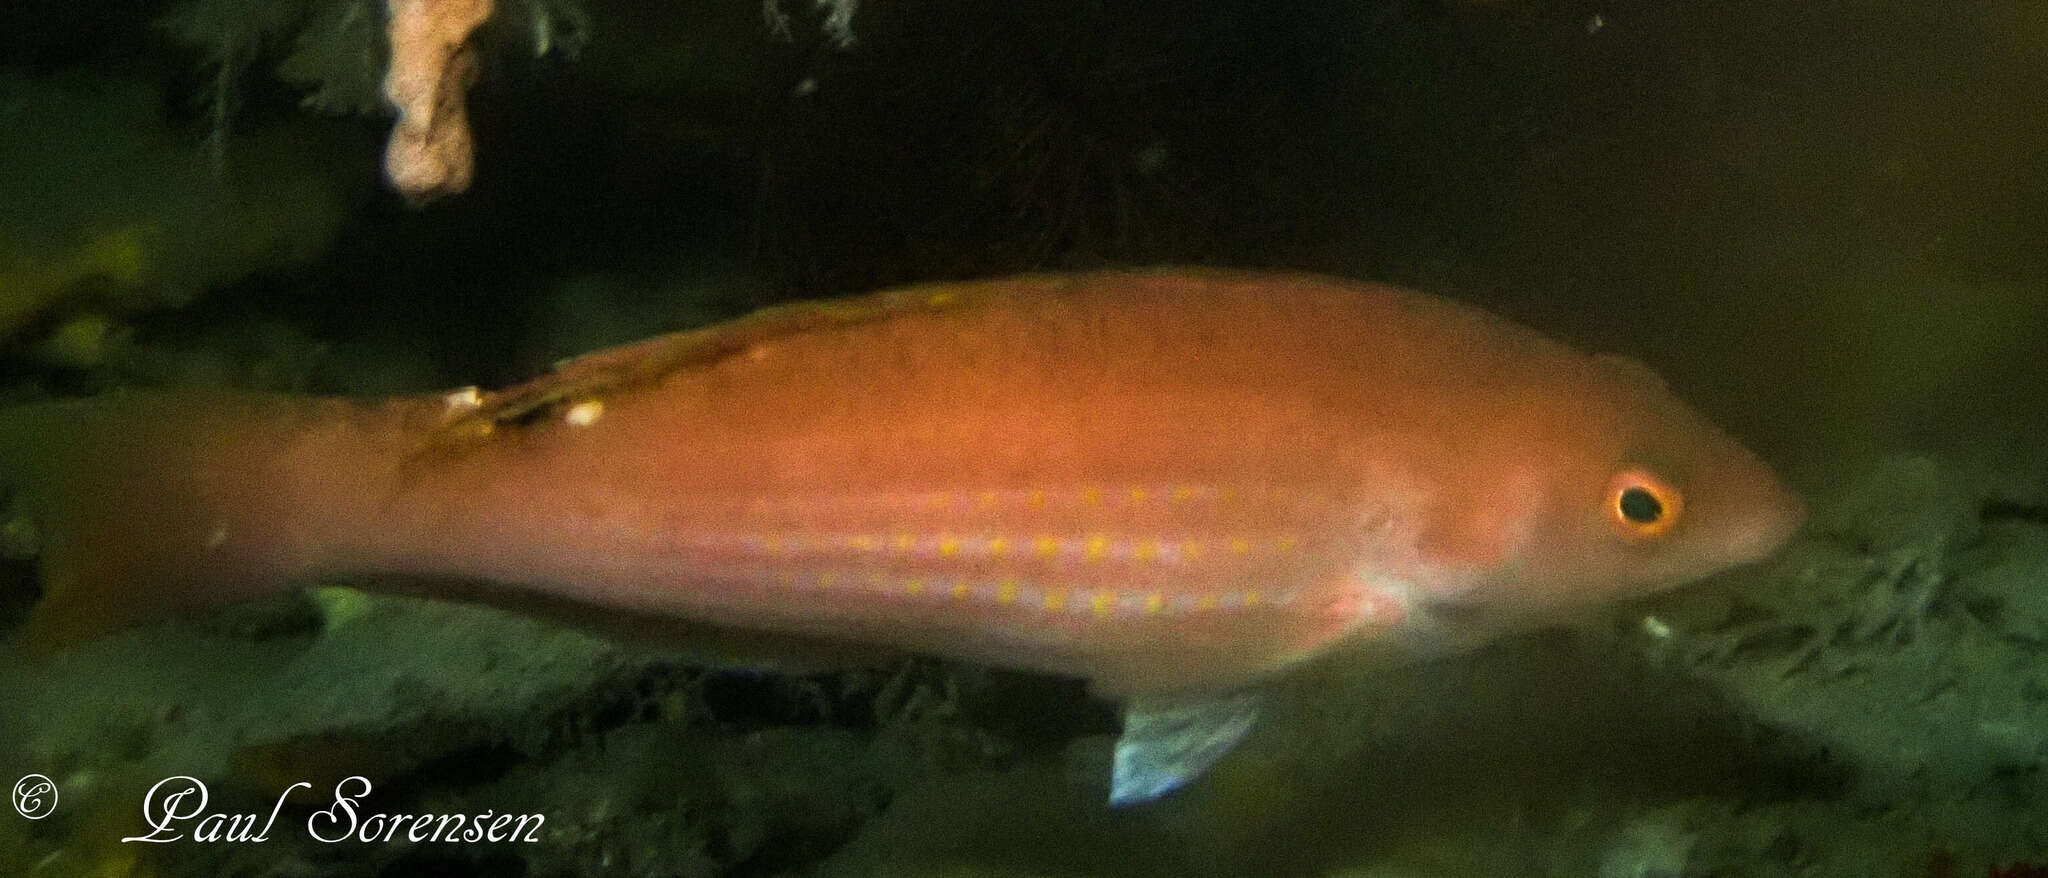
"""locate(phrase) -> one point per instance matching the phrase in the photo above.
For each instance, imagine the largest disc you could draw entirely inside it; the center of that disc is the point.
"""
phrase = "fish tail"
(139, 505)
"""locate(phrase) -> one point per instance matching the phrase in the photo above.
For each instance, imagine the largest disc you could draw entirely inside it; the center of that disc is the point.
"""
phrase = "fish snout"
(1767, 525)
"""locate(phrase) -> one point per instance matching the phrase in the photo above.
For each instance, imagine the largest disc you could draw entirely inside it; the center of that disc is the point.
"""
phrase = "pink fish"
(1175, 484)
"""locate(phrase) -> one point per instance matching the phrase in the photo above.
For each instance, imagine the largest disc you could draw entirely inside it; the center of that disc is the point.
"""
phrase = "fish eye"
(1641, 506)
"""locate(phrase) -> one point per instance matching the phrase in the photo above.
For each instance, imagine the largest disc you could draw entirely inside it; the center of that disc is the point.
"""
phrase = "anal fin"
(1168, 742)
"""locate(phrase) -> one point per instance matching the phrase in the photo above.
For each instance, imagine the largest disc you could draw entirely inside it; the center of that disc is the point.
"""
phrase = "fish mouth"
(1756, 516)
(1780, 516)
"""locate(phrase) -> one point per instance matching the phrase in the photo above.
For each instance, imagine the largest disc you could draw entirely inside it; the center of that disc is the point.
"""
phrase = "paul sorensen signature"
(175, 810)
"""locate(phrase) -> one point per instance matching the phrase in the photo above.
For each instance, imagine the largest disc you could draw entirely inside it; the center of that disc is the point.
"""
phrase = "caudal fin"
(139, 505)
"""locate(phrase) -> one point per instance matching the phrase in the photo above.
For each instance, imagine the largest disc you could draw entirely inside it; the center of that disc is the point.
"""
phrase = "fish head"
(1623, 490)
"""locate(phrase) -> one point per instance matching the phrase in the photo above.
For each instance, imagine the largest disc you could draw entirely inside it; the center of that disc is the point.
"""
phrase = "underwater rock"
(1900, 635)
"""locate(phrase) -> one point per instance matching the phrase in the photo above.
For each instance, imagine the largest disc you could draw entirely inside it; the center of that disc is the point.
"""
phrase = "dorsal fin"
(483, 414)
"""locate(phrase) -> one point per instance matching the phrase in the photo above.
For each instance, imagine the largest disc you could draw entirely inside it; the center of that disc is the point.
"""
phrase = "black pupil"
(1640, 506)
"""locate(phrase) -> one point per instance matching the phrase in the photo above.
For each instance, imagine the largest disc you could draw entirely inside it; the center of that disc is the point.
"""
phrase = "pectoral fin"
(1168, 742)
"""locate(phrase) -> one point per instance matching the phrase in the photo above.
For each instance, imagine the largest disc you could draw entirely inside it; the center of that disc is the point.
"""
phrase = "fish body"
(1172, 483)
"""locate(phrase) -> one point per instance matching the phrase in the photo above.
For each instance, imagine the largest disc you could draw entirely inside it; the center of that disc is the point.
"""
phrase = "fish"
(1178, 484)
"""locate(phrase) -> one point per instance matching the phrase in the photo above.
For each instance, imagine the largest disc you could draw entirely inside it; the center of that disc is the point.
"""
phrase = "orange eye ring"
(1642, 506)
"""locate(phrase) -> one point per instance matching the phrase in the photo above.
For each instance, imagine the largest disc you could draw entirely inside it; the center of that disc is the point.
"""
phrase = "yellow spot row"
(1010, 592)
(985, 501)
(1091, 495)
(1093, 547)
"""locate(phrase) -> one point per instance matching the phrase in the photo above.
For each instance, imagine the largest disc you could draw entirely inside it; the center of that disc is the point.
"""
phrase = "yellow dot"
(1056, 600)
(997, 546)
(1154, 603)
(1097, 547)
(1006, 592)
(987, 500)
(1146, 551)
(873, 579)
(940, 300)
(1091, 495)
(1252, 598)
(1193, 549)
(958, 591)
(905, 542)
(948, 546)
(771, 543)
(937, 501)
(1047, 546)
(862, 543)
(1139, 495)
(1184, 493)
(1205, 602)
(1102, 602)
(1287, 544)
(1035, 499)
(914, 587)
(1240, 546)
(826, 578)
